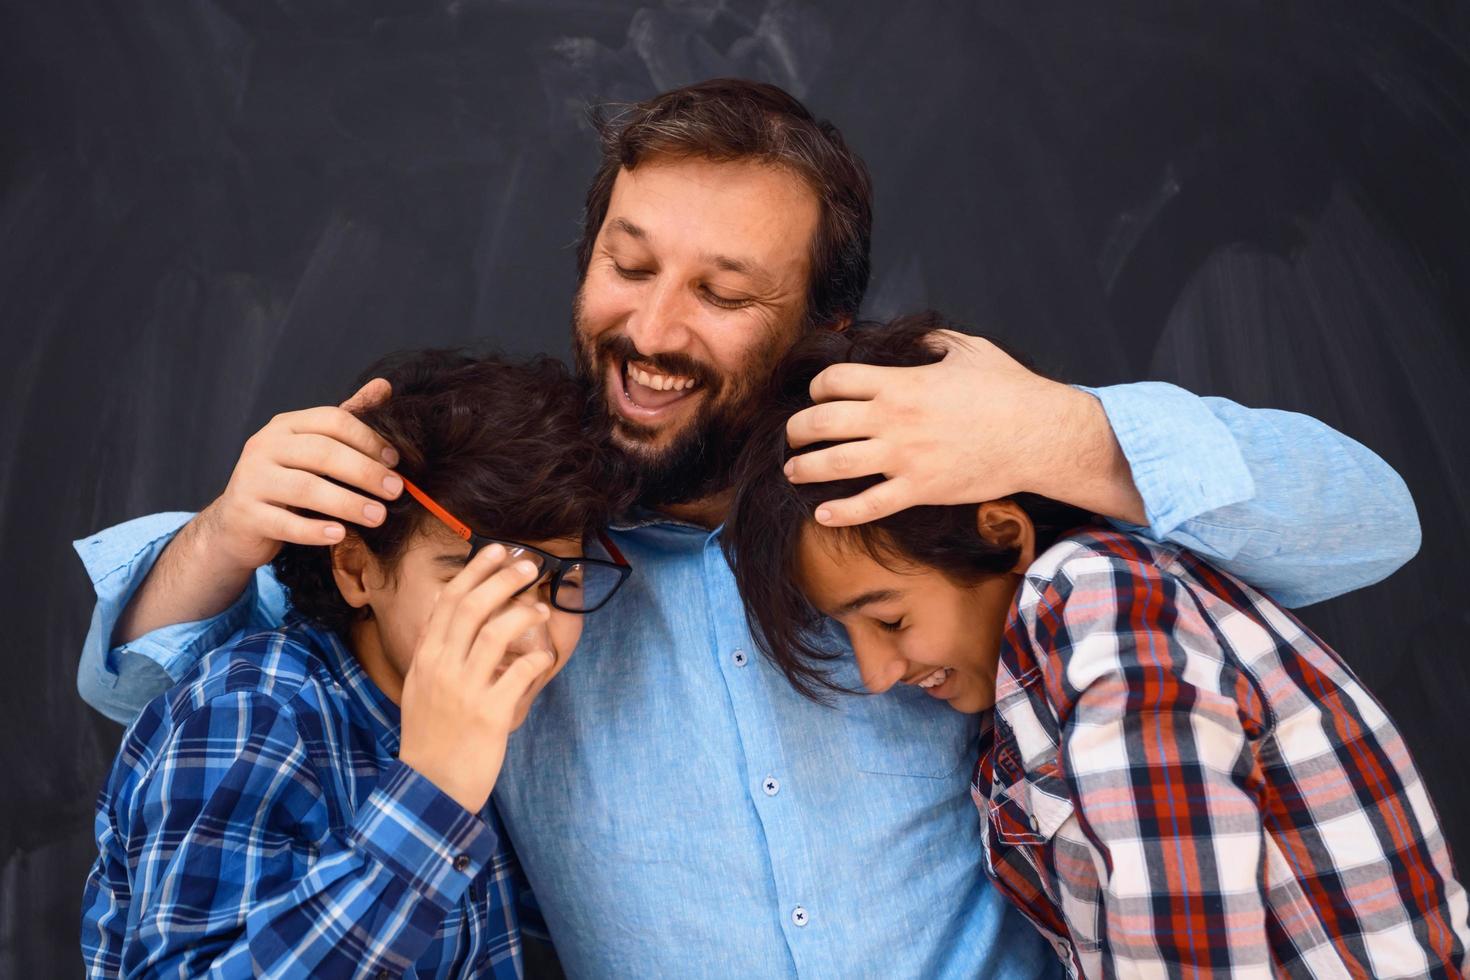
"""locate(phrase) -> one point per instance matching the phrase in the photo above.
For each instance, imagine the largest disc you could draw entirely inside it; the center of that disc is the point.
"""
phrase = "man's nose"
(880, 669)
(659, 325)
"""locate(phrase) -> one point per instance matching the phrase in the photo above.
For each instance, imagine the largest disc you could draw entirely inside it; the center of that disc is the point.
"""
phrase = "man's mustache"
(621, 349)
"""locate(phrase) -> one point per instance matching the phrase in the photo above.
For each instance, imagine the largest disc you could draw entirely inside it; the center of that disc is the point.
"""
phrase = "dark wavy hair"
(770, 512)
(726, 119)
(508, 447)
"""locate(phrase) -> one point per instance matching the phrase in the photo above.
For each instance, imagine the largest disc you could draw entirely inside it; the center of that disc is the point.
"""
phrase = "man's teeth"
(660, 382)
(935, 679)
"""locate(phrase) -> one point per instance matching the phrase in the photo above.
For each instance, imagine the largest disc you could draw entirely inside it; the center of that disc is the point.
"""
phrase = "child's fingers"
(443, 615)
(520, 675)
(496, 635)
(482, 602)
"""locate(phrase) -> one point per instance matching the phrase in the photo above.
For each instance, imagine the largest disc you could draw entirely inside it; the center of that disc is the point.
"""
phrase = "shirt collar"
(640, 517)
(383, 715)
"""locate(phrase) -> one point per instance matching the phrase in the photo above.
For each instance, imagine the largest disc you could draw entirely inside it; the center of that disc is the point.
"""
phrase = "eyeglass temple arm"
(453, 523)
(612, 549)
(460, 528)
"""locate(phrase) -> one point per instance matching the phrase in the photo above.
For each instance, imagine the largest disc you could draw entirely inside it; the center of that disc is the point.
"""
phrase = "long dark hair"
(506, 446)
(763, 532)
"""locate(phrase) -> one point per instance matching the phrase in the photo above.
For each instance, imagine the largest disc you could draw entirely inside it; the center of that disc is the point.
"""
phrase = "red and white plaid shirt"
(1181, 780)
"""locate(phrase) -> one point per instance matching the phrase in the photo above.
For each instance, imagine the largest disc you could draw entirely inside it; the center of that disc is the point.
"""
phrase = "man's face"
(696, 286)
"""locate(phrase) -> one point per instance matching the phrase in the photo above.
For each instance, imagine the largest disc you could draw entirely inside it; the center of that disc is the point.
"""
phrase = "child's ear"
(1004, 524)
(352, 565)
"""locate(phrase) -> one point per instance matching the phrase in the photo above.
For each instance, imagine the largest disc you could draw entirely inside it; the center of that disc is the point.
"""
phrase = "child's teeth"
(935, 679)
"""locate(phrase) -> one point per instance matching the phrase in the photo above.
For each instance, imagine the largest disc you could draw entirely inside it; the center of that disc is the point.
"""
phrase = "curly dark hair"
(770, 512)
(509, 447)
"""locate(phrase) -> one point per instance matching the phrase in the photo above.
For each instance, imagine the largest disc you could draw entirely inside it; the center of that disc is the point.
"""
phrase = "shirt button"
(740, 658)
(462, 862)
(798, 916)
(771, 786)
(1035, 827)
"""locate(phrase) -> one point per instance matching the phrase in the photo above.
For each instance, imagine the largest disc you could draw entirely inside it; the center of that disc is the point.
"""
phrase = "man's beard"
(699, 461)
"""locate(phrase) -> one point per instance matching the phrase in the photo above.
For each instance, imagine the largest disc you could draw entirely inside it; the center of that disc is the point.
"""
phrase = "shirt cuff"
(427, 839)
(1184, 460)
(117, 561)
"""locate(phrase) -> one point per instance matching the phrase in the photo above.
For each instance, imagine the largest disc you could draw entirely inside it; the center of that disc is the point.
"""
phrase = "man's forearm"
(1087, 467)
(191, 580)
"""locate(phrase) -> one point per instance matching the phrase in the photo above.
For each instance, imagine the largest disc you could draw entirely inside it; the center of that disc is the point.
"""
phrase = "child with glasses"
(313, 801)
(1175, 777)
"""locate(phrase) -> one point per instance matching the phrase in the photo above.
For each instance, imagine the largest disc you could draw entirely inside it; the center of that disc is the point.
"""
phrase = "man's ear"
(1004, 524)
(352, 566)
(840, 326)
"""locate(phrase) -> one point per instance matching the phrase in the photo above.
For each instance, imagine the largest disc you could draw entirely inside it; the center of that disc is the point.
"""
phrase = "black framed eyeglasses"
(578, 585)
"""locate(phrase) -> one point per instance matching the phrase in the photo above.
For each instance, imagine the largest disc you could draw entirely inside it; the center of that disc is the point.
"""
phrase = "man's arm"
(301, 461)
(119, 680)
(167, 594)
(191, 580)
(1277, 498)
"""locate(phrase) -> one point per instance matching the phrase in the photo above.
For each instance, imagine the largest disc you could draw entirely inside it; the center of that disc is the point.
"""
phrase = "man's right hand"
(459, 695)
(209, 563)
(284, 467)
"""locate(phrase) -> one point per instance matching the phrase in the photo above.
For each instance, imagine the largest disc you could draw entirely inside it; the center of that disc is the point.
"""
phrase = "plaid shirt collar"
(384, 717)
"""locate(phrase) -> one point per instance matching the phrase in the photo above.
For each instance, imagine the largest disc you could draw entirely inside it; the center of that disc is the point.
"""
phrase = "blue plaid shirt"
(257, 822)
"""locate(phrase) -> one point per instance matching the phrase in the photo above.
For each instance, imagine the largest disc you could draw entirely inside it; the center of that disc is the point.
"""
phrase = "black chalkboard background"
(216, 210)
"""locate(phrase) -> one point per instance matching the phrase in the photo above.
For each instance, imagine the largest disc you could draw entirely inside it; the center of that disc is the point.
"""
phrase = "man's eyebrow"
(451, 559)
(741, 267)
(727, 263)
(876, 595)
(628, 228)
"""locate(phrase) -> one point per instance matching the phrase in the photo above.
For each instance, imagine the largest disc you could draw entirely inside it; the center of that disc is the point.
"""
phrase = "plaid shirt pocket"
(1028, 821)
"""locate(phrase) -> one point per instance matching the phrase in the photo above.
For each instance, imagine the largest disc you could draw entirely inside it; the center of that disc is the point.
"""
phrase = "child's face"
(402, 601)
(909, 624)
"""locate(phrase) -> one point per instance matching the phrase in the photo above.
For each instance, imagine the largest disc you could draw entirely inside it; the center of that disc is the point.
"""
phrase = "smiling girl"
(1177, 777)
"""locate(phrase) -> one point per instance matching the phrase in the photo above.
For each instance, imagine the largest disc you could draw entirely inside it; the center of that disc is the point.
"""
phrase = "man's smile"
(645, 395)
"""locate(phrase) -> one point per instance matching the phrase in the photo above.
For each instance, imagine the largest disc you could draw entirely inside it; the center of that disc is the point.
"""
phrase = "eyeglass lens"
(580, 587)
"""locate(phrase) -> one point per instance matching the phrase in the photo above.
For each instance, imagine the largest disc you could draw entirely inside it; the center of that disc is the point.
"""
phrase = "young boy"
(312, 801)
(1179, 780)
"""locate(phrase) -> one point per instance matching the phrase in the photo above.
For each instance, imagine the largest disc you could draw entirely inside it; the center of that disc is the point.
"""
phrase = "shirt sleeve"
(1279, 499)
(237, 873)
(118, 681)
(1157, 761)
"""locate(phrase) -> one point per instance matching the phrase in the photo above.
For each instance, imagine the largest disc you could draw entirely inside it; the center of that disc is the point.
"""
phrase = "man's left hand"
(973, 427)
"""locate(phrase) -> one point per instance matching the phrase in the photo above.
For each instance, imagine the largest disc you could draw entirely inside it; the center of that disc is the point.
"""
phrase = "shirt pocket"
(1026, 815)
(905, 732)
(1027, 805)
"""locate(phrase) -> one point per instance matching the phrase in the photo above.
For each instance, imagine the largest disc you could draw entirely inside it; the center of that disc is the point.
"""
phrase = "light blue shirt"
(681, 812)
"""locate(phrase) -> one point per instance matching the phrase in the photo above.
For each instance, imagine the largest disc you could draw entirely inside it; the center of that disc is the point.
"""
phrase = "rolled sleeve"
(119, 681)
(427, 839)
(1280, 499)
(1185, 461)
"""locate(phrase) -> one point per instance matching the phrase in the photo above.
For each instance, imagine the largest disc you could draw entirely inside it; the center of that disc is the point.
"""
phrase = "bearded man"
(678, 809)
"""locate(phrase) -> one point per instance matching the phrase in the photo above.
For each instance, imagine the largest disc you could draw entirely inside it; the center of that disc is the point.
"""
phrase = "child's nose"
(880, 670)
